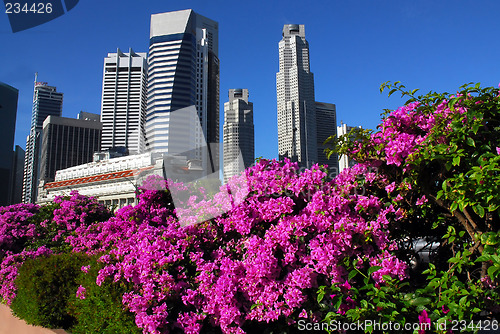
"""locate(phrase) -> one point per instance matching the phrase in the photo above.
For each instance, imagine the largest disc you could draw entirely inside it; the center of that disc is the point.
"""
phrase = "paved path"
(12, 325)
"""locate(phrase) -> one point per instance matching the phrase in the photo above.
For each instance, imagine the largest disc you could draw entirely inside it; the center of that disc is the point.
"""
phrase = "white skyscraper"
(296, 105)
(238, 133)
(183, 80)
(123, 108)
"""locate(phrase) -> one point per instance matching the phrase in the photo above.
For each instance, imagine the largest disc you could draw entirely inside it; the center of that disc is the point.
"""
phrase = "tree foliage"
(437, 160)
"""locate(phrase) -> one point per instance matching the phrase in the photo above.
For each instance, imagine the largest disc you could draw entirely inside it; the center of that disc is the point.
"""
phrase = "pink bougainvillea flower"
(424, 322)
(422, 200)
(80, 292)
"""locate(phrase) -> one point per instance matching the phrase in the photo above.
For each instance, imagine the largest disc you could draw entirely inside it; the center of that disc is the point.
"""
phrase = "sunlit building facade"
(295, 94)
(183, 75)
(46, 101)
(123, 107)
(238, 133)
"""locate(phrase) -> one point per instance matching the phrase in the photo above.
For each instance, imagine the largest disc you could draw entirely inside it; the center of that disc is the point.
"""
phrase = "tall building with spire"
(238, 129)
(295, 94)
(183, 80)
(123, 108)
(46, 101)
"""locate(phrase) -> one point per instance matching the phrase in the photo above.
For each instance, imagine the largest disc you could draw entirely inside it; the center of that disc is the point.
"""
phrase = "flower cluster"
(27, 232)
(16, 226)
(278, 235)
(281, 235)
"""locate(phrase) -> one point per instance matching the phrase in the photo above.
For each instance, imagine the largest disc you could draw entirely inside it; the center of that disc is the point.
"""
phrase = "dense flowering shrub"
(276, 246)
(437, 164)
(30, 231)
(99, 308)
(16, 227)
(259, 262)
(9, 269)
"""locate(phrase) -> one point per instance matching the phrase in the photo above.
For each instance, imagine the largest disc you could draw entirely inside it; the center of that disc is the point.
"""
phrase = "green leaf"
(479, 210)
(484, 258)
(470, 142)
(321, 294)
(364, 304)
(352, 274)
(491, 272)
(492, 239)
(456, 160)
(420, 301)
(373, 269)
(475, 128)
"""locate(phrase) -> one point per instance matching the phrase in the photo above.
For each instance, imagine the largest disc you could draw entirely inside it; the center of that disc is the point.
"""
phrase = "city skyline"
(354, 48)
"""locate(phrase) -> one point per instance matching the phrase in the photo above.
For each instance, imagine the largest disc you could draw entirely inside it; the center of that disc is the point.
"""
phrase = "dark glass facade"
(67, 143)
(213, 135)
(8, 112)
(326, 126)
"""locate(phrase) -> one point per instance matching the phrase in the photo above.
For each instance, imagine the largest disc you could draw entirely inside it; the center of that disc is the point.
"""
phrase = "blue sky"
(355, 45)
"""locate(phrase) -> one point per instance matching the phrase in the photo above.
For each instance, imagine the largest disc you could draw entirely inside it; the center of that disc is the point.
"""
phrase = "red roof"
(97, 178)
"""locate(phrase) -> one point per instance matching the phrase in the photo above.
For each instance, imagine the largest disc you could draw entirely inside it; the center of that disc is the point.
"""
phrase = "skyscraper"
(183, 76)
(46, 101)
(296, 105)
(66, 143)
(8, 110)
(326, 126)
(238, 132)
(123, 108)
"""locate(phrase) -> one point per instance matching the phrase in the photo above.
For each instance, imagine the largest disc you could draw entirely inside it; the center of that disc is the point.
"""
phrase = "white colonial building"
(115, 181)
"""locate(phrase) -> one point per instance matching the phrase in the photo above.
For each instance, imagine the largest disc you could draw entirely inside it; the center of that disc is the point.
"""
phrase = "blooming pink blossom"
(80, 292)
(424, 322)
(421, 200)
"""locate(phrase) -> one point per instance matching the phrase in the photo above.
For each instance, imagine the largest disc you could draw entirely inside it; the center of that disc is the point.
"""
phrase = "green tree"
(437, 162)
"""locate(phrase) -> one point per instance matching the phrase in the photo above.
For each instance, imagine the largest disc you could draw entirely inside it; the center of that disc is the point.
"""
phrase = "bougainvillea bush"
(31, 231)
(438, 164)
(289, 247)
(259, 265)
